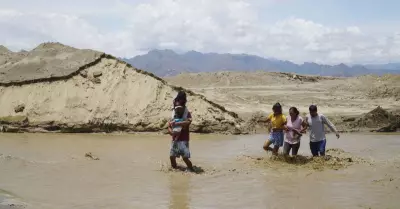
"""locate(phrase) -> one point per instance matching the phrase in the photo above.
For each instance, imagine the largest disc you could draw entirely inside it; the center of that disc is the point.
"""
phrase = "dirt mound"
(257, 122)
(384, 91)
(4, 49)
(9, 200)
(378, 119)
(387, 86)
(103, 95)
(335, 159)
(46, 62)
(372, 86)
(7, 56)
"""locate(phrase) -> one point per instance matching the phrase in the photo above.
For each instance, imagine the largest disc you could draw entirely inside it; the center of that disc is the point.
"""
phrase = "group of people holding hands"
(294, 127)
(284, 131)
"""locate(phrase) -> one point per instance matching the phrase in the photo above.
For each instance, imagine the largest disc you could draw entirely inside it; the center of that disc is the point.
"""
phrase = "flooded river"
(50, 171)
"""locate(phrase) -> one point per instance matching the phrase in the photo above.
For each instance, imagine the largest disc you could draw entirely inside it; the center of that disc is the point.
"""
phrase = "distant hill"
(169, 63)
(389, 66)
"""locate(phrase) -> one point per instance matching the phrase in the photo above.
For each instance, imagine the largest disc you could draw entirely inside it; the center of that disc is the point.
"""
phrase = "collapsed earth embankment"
(57, 88)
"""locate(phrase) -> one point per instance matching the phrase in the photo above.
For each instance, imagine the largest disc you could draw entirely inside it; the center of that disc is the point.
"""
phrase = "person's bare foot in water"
(188, 164)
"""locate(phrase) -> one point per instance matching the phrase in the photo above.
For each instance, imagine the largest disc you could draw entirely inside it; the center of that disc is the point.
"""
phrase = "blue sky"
(323, 31)
(337, 12)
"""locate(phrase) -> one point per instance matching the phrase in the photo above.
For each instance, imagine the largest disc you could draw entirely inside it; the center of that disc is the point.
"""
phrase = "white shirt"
(316, 127)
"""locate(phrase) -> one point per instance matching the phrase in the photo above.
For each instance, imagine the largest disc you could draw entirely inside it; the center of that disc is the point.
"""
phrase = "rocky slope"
(63, 89)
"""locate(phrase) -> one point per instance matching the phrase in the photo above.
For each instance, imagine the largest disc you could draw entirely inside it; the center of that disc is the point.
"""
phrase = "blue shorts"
(179, 148)
(318, 148)
(276, 138)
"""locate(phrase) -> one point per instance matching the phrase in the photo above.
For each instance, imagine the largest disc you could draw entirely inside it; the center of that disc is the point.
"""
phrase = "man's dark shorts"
(318, 148)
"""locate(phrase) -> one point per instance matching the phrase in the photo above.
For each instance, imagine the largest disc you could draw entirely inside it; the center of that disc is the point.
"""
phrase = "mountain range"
(169, 63)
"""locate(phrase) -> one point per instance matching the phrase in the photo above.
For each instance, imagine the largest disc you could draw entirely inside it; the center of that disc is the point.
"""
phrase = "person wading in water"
(180, 143)
(315, 122)
(278, 122)
(295, 127)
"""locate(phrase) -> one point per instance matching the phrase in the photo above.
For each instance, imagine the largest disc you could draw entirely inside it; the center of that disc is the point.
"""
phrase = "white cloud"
(205, 25)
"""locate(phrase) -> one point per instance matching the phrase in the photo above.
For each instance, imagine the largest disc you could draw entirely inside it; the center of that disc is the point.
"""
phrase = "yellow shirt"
(278, 121)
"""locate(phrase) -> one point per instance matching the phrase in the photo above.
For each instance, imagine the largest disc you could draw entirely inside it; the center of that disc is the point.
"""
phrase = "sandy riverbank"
(347, 101)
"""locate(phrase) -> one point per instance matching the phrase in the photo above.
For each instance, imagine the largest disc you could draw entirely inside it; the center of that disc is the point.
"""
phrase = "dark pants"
(318, 148)
(294, 147)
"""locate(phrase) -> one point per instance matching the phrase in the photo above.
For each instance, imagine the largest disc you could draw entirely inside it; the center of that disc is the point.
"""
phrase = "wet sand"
(52, 171)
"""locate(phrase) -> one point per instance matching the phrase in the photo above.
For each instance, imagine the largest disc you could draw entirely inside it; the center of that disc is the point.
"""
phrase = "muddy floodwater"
(50, 171)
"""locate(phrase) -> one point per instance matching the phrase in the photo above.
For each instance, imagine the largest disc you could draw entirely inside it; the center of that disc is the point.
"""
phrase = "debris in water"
(91, 156)
(335, 159)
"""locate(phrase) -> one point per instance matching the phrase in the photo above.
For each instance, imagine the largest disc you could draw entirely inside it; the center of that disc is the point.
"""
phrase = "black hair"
(313, 108)
(295, 110)
(179, 111)
(180, 97)
(277, 107)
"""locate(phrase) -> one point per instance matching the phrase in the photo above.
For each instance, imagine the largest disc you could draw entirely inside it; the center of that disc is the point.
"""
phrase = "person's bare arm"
(285, 127)
(185, 123)
(170, 130)
(330, 125)
(268, 123)
(296, 131)
(305, 126)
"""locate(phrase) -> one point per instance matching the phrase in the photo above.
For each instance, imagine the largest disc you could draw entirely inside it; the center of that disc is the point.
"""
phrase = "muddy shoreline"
(54, 127)
(377, 120)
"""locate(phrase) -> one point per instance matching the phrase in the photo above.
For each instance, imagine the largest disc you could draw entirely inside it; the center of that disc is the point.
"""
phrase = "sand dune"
(88, 91)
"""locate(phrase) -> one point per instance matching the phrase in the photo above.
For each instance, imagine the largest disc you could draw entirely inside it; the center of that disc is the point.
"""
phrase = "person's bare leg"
(173, 162)
(267, 145)
(275, 150)
(295, 149)
(188, 164)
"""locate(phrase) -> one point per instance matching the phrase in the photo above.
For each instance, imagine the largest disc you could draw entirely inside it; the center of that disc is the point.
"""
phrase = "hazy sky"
(323, 31)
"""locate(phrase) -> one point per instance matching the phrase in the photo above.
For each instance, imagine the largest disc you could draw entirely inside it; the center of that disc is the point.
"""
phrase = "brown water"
(51, 171)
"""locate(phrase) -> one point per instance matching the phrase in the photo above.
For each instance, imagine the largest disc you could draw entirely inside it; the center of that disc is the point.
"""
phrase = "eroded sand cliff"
(59, 88)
